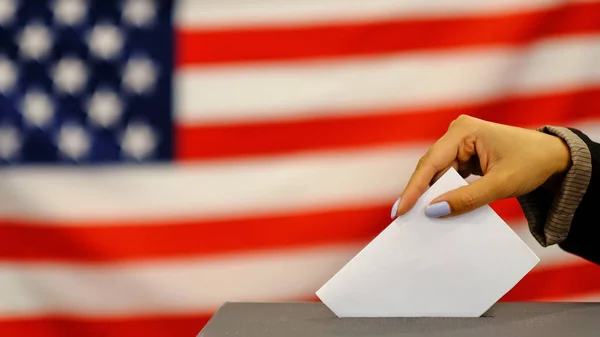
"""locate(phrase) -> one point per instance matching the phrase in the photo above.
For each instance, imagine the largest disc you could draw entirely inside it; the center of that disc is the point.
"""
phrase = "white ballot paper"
(423, 267)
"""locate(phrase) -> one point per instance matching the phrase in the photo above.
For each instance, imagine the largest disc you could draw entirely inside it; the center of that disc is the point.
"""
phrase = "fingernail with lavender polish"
(437, 210)
(395, 208)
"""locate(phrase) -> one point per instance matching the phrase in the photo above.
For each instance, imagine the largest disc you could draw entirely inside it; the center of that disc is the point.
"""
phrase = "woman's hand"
(512, 161)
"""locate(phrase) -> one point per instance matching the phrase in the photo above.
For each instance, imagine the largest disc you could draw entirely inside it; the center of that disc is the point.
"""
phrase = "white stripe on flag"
(240, 93)
(171, 286)
(231, 13)
(227, 189)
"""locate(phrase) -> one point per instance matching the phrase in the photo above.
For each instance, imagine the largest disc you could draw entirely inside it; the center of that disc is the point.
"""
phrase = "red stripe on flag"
(93, 242)
(376, 127)
(364, 38)
(552, 284)
(160, 326)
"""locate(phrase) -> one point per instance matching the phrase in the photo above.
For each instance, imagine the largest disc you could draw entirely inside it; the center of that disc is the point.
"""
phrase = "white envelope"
(423, 267)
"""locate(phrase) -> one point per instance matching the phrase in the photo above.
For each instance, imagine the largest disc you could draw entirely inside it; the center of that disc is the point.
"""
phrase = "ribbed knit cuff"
(549, 214)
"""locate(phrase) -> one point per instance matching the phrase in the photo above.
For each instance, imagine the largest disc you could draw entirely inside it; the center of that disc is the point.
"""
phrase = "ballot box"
(316, 320)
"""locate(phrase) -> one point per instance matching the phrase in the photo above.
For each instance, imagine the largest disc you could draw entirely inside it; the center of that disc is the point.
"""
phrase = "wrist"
(560, 162)
(562, 156)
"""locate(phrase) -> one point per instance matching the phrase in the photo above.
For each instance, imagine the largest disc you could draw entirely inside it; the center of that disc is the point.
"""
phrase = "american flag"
(162, 157)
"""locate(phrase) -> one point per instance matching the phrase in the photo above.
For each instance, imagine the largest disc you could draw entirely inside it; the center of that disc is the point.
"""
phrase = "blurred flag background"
(162, 157)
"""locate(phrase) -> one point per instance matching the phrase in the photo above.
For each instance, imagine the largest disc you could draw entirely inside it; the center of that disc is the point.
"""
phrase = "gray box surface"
(316, 320)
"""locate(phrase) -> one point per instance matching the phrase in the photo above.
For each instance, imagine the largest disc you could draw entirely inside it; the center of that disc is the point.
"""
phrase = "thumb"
(481, 192)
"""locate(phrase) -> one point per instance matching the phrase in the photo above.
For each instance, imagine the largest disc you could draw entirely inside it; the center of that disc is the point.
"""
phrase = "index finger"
(439, 156)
